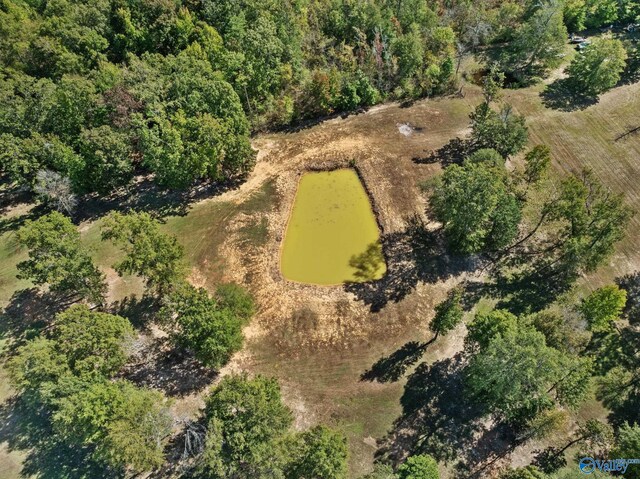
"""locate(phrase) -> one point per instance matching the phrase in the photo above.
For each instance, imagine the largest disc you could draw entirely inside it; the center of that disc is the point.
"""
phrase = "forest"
(100, 97)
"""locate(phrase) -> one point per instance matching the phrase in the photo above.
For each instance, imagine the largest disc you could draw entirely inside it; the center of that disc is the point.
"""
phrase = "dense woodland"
(94, 93)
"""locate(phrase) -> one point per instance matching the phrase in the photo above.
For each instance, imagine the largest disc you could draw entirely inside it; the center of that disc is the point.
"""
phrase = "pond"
(332, 236)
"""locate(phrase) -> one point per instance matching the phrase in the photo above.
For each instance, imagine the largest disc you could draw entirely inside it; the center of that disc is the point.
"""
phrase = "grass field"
(236, 236)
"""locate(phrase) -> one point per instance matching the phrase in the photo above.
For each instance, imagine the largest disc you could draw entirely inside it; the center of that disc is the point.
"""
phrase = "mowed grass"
(588, 138)
(324, 386)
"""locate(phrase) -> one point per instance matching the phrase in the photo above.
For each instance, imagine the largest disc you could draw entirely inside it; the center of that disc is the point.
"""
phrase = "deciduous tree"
(58, 259)
(598, 67)
(155, 256)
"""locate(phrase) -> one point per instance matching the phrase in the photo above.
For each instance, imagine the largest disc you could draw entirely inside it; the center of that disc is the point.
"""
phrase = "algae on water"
(332, 236)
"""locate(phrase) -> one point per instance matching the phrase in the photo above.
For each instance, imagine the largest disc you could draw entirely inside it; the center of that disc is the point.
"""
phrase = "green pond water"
(332, 236)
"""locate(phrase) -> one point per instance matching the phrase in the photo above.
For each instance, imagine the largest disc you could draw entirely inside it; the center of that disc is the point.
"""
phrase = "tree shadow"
(413, 256)
(12, 194)
(522, 292)
(144, 195)
(139, 311)
(561, 95)
(631, 73)
(27, 429)
(531, 290)
(437, 418)
(14, 222)
(631, 284)
(391, 368)
(28, 311)
(158, 365)
(549, 460)
(453, 152)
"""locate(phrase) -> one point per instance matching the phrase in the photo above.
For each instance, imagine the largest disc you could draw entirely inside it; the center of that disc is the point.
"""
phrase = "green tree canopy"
(598, 67)
(127, 425)
(537, 163)
(155, 256)
(486, 326)
(212, 330)
(82, 343)
(420, 466)
(517, 376)
(246, 418)
(503, 131)
(323, 453)
(93, 343)
(538, 42)
(477, 208)
(58, 259)
(628, 446)
(448, 313)
(603, 306)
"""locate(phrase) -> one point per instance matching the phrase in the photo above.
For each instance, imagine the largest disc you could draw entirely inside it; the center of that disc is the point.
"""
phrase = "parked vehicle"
(583, 45)
(576, 39)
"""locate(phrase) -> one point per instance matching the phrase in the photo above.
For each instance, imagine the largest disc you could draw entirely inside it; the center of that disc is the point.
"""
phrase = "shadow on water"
(415, 255)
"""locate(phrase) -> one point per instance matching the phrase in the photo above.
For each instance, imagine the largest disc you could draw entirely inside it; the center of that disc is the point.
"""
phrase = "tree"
(155, 256)
(36, 368)
(538, 43)
(55, 190)
(245, 419)
(127, 425)
(237, 299)
(502, 131)
(107, 160)
(57, 258)
(82, 343)
(93, 343)
(421, 466)
(492, 83)
(23, 159)
(537, 162)
(448, 313)
(380, 471)
(488, 157)
(323, 454)
(513, 374)
(628, 446)
(598, 67)
(591, 220)
(603, 307)
(212, 331)
(476, 207)
(486, 326)
(527, 472)
(559, 332)
(575, 14)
